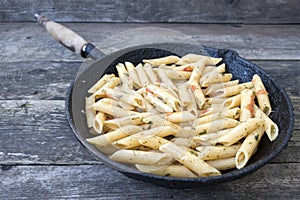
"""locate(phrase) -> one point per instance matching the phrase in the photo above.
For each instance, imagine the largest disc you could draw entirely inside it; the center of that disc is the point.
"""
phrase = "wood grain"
(50, 80)
(28, 42)
(100, 182)
(224, 11)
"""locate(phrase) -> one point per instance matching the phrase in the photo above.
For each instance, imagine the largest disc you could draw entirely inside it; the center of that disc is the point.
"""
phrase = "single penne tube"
(90, 113)
(150, 72)
(213, 87)
(215, 78)
(185, 142)
(189, 159)
(178, 75)
(135, 119)
(223, 164)
(141, 157)
(142, 75)
(184, 95)
(192, 106)
(240, 131)
(217, 152)
(211, 136)
(153, 142)
(233, 101)
(133, 140)
(248, 147)
(111, 83)
(261, 94)
(177, 117)
(162, 61)
(98, 122)
(158, 103)
(172, 170)
(100, 83)
(192, 58)
(172, 101)
(215, 100)
(271, 128)
(208, 69)
(247, 105)
(165, 79)
(196, 73)
(106, 106)
(127, 83)
(155, 120)
(148, 106)
(125, 97)
(227, 113)
(232, 90)
(199, 96)
(107, 138)
(214, 126)
(133, 75)
(186, 67)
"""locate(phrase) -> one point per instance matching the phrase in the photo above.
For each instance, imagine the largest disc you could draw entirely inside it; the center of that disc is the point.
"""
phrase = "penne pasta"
(133, 100)
(240, 131)
(189, 160)
(233, 90)
(106, 106)
(98, 122)
(180, 117)
(177, 117)
(133, 74)
(162, 61)
(141, 157)
(248, 147)
(100, 83)
(217, 152)
(106, 139)
(270, 127)
(223, 164)
(213, 126)
(261, 94)
(192, 58)
(133, 140)
(184, 95)
(233, 101)
(150, 72)
(142, 75)
(247, 105)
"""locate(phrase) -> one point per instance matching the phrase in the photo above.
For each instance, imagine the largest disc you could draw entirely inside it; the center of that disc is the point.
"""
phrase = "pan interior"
(240, 68)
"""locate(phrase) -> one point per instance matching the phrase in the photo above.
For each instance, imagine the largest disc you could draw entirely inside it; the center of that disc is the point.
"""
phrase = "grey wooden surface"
(40, 157)
(203, 11)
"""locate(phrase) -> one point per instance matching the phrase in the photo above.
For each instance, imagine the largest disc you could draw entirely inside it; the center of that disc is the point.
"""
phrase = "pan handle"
(69, 38)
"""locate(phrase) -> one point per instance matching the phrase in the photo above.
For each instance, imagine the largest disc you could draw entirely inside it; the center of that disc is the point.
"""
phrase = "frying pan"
(240, 68)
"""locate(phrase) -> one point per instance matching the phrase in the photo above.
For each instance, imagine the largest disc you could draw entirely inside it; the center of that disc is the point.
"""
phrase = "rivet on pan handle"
(69, 38)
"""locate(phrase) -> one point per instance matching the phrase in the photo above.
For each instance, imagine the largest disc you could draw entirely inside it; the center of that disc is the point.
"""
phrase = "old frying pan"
(239, 67)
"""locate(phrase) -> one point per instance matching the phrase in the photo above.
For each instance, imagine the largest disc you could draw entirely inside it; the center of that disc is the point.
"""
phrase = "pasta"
(180, 117)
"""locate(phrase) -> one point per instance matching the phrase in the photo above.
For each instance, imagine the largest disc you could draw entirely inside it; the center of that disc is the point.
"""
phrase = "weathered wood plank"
(37, 132)
(50, 80)
(29, 42)
(224, 11)
(274, 181)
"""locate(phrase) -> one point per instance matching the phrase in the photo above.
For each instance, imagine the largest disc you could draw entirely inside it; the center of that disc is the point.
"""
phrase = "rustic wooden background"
(39, 156)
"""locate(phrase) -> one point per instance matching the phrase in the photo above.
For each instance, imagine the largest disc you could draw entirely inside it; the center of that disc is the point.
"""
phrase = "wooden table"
(41, 158)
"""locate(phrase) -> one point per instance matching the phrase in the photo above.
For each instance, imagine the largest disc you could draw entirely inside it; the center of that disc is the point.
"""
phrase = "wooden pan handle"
(69, 38)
